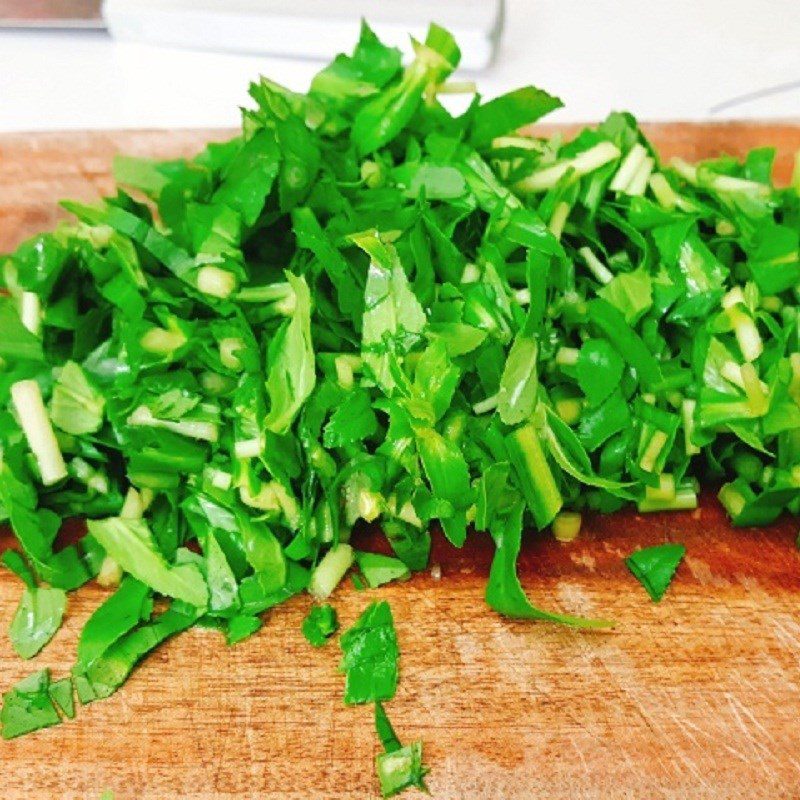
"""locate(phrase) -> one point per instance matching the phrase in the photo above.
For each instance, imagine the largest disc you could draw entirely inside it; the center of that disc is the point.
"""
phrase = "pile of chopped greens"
(370, 307)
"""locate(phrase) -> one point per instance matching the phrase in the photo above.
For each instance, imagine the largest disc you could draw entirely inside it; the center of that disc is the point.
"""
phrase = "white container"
(304, 28)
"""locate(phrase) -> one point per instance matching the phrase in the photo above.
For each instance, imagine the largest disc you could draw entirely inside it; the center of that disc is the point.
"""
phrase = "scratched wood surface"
(697, 697)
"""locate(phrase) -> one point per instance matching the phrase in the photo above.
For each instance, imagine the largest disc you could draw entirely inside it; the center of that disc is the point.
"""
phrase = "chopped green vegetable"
(504, 592)
(598, 370)
(120, 613)
(17, 341)
(385, 730)
(290, 379)
(26, 398)
(654, 567)
(508, 113)
(378, 569)
(76, 406)
(62, 694)
(534, 474)
(37, 618)
(320, 624)
(330, 571)
(222, 588)
(110, 670)
(398, 767)
(17, 564)
(132, 545)
(241, 628)
(28, 706)
(370, 656)
(36, 528)
(366, 308)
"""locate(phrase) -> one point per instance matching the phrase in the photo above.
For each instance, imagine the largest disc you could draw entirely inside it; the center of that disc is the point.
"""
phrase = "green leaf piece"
(108, 672)
(291, 362)
(398, 767)
(36, 620)
(241, 627)
(379, 569)
(510, 112)
(131, 543)
(120, 613)
(401, 769)
(76, 406)
(28, 707)
(504, 592)
(17, 341)
(599, 370)
(519, 382)
(320, 624)
(385, 731)
(370, 656)
(654, 567)
(62, 694)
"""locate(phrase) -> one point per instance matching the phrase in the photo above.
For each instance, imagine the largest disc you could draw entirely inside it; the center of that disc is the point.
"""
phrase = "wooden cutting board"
(696, 697)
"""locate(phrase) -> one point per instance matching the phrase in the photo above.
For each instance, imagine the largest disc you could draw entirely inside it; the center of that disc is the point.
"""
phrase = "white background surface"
(660, 59)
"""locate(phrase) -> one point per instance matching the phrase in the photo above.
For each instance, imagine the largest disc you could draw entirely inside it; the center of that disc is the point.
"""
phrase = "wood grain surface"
(696, 697)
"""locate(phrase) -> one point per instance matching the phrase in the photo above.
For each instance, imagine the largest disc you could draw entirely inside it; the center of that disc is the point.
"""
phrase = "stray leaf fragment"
(399, 767)
(370, 656)
(654, 567)
(320, 624)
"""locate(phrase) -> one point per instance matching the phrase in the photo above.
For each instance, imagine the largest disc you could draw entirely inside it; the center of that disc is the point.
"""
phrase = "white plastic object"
(316, 29)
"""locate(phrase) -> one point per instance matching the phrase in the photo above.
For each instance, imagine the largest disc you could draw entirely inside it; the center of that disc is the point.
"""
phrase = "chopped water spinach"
(370, 656)
(654, 567)
(320, 624)
(30, 706)
(367, 307)
(399, 767)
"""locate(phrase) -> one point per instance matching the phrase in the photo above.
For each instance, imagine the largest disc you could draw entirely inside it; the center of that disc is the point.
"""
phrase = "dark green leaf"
(504, 592)
(509, 112)
(17, 342)
(378, 569)
(249, 176)
(28, 707)
(599, 370)
(654, 567)
(370, 656)
(320, 624)
(352, 421)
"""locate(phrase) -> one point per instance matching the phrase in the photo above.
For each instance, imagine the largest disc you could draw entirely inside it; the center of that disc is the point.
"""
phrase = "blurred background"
(187, 63)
